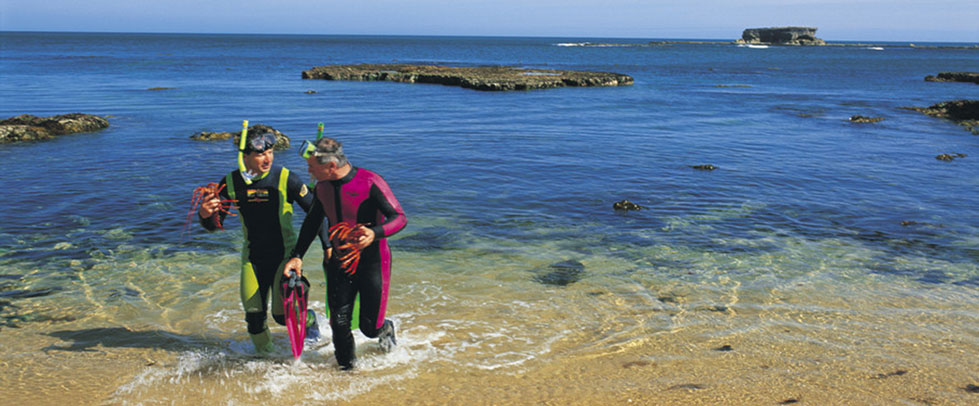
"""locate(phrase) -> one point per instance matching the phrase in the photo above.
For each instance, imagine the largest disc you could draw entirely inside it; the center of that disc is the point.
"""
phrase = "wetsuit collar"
(349, 176)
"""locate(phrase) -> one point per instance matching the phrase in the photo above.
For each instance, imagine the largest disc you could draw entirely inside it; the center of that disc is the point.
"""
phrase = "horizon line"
(434, 35)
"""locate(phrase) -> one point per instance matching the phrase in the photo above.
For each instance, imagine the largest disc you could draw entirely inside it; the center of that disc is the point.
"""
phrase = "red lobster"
(341, 236)
(198, 198)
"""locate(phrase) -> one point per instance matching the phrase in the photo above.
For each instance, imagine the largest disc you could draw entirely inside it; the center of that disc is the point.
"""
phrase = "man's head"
(259, 151)
(328, 162)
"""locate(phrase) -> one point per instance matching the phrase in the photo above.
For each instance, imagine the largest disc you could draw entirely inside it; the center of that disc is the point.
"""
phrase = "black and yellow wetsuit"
(265, 210)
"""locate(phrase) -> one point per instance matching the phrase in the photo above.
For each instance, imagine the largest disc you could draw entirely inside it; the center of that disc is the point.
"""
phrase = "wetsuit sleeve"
(300, 193)
(211, 223)
(394, 216)
(311, 225)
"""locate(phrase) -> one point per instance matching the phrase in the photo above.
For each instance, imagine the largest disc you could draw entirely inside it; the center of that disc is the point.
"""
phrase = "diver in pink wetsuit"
(362, 199)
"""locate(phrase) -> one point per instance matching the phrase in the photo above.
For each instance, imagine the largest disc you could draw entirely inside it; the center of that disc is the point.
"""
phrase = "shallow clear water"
(796, 239)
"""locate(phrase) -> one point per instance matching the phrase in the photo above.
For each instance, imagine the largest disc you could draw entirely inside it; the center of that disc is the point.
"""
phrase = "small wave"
(875, 48)
(596, 45)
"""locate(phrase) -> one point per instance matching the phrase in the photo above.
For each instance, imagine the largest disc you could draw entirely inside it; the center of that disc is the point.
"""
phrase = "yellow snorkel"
(245, 173)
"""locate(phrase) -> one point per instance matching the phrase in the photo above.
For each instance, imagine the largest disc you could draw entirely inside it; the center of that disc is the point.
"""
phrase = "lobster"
(198, 198)
(341, 236)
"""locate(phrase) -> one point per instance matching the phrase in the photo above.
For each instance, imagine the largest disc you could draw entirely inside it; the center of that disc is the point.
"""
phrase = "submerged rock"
(687, 386)
(562, 273)
(625, 205)
(967, 77)
(282, 140)
(864, 119)
(493, 78)
(781, 36)
(27, 127)
(890, 374)
(962, 112)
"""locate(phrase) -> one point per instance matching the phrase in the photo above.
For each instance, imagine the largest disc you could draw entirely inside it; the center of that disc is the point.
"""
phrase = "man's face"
(319, 171)
(259, 162)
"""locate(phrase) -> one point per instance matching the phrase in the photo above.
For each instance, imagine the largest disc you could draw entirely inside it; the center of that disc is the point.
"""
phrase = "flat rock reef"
(489, 78)
(962, 112)
(966, 77)
(27, 127)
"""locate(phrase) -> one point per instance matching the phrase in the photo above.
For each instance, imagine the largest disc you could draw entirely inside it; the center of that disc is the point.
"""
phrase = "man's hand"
(209, 206)
(361, 237)
(294, 264)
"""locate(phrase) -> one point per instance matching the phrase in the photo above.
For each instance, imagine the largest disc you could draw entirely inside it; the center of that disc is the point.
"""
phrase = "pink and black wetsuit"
(361, 197)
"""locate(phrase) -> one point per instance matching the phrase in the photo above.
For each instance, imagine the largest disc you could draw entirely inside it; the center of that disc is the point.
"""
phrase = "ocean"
(822, 262)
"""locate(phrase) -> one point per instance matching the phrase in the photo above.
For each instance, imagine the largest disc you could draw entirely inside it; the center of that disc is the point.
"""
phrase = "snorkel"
(246, 174)
(307, 149)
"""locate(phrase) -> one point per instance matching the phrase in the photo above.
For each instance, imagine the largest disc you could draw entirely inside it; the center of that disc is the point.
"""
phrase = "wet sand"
(776, 351)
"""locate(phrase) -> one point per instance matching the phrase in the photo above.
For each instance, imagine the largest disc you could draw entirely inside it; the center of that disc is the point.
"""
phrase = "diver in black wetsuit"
(264, 202)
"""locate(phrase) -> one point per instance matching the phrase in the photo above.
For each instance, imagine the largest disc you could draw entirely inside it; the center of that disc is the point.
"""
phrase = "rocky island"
(489, 78)
(27, 127)
(781, 36)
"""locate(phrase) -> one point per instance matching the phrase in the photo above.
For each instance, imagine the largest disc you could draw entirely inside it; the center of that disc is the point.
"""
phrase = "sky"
(849, 20)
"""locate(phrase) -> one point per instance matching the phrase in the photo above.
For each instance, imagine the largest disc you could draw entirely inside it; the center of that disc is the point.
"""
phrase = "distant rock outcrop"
(282, 140)
(963, 112)
(967, 77)
(781, 36)
(950, 157)
(26, 127)
(479, 78)
(864, 119)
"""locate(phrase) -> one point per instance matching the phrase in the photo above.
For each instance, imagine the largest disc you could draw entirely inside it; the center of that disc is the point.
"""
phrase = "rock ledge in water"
(968, 77)
(625, 205)
(490, 78)
(26, 127)
(282, 140)
(962, 112)
(864, 119)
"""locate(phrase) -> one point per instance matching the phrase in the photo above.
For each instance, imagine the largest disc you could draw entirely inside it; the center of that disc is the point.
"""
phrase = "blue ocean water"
(524, 177)
(491, 162)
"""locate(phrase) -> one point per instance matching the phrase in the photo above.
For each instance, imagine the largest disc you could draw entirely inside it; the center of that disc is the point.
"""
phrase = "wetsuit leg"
(372, 279)
(340, 299)
(278, 310)
(256, 281)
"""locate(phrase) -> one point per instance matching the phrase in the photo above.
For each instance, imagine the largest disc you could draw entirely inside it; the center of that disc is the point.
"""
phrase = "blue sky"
(892, 20)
